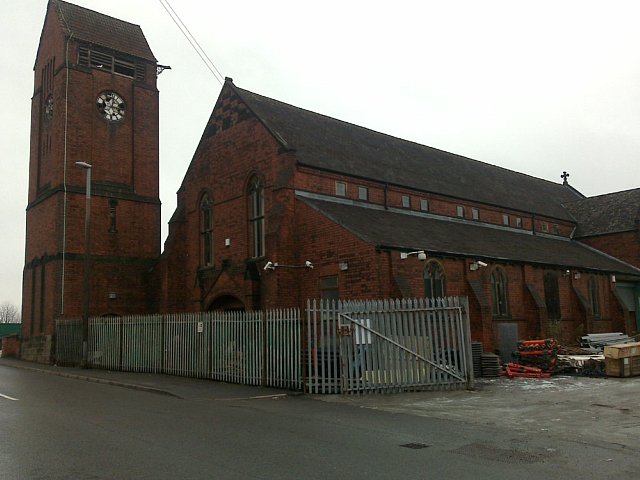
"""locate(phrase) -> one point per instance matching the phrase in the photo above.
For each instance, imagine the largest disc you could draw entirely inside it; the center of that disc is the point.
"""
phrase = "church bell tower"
(95, 102)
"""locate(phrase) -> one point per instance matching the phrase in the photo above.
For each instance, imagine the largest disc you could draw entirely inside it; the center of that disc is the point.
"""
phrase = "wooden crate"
(622, 350)
(622, 367)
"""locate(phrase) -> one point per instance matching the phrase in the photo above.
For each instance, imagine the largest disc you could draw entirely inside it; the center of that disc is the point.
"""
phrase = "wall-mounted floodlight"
(273, 266)
(419, 253)
(473, 266)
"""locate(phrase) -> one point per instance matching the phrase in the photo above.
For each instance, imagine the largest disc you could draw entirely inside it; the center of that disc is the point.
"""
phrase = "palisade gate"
(340, 347)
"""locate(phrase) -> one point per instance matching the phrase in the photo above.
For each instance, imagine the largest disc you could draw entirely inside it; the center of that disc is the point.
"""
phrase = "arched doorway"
(227, 303)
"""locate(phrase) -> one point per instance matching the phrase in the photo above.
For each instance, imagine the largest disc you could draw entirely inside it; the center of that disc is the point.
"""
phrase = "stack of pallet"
(541, 354)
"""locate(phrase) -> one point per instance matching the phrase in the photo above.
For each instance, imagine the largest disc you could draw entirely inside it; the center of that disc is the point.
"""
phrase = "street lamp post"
(87, 268)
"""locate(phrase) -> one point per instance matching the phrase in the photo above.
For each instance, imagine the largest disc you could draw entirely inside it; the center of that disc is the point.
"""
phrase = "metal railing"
(343, 347)
(253, 348)
(388, 345)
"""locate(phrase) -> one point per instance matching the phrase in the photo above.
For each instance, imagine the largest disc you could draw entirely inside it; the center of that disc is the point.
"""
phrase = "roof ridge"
(73, 5)
(637, 189)
(413, 142)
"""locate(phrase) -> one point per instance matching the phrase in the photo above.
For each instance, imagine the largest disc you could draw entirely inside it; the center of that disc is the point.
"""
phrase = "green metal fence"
(253, 348)
(349, 346)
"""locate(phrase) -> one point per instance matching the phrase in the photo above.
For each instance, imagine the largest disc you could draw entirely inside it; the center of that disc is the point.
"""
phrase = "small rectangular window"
(341, 189)
(518, 222)
(406, 201)
(460, 211)
(424, 204)
(112, 216)
(556, 229)
(329, 288)
(475, 214)
(363, 193)
(545, 227)
(505, 220)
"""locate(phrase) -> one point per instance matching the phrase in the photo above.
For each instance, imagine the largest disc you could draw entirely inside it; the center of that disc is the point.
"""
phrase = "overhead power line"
(192, 41)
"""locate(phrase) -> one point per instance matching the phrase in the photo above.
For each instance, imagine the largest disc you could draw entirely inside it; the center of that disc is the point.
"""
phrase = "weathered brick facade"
(66, 127)
(273, 183)
(238, 146)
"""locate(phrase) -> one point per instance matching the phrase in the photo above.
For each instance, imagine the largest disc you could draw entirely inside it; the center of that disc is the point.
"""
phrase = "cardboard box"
(622, 350)
(622, 367)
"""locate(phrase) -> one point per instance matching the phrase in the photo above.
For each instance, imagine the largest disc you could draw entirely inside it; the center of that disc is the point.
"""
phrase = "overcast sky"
(534, 86)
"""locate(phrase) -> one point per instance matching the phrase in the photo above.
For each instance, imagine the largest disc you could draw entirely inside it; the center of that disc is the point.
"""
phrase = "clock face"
(48, 108)
(111, 106)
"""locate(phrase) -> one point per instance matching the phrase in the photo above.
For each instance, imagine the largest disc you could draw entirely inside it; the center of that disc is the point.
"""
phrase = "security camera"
(422, 256)
(481, 264)
(308, 264)
(269, 266)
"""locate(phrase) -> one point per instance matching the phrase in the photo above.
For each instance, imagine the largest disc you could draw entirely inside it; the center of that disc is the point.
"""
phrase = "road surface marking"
(8, 397)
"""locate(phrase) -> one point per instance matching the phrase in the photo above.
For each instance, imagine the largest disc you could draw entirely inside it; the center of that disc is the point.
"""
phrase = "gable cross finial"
(564, 177)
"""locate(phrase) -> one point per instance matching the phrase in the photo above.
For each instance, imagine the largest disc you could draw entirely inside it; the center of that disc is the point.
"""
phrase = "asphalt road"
(61, 428)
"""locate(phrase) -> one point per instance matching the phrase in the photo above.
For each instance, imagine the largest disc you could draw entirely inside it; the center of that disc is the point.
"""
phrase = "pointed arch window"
(434, 280)
(256, 217)
(206, 230)
(552, 295)
(499, 293)
(594, 296)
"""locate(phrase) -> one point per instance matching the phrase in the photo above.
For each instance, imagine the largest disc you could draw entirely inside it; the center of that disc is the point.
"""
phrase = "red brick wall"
(222, 166)
(625, 246)
(124, 156)
(234, 148)
(10, 346)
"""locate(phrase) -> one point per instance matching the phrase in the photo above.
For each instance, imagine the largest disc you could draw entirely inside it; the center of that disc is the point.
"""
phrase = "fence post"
(467, 340)
(121, 343)
(263, 373)
(163, 320)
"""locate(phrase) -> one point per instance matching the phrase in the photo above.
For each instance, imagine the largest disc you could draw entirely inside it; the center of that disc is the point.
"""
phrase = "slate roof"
(610, 213)
(400, 230)
(103, 30)
(333, 145)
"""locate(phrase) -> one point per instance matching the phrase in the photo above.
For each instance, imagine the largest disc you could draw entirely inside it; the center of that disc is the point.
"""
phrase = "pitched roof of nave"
(405, 230)
(333, 145)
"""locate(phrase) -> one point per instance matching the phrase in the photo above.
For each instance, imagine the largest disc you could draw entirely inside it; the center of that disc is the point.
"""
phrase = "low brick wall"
(37, 349)
(11, 346)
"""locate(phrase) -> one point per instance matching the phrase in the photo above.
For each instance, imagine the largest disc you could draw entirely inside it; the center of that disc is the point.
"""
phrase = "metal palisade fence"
(252, 348)
(341, 347)
(388, 345)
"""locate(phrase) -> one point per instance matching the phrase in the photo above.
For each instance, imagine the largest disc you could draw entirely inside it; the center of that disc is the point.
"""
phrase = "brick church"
(280, 204)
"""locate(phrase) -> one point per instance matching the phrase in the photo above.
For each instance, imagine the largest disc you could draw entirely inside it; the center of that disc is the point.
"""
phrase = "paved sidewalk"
(179, 387)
